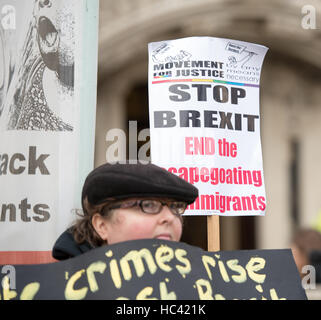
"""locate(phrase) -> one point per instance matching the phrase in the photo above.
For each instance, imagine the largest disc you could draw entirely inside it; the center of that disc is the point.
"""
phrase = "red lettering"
(227, 149)
(204, 174)
(193, 175)
(261, 201)
(199, 146)
(183, 173)
(188, 145)
(209, 146)
(172, 170)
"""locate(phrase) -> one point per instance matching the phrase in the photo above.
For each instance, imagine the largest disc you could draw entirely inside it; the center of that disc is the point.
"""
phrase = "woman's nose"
(166, 215)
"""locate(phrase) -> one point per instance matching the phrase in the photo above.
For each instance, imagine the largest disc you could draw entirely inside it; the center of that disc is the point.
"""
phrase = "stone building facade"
(290, 97)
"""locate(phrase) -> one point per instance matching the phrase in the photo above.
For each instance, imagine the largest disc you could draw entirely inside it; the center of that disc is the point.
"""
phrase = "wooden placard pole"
(213, 233)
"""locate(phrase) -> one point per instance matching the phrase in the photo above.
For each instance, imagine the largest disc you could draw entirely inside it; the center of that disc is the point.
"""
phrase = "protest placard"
(152, 269)
(205, 121)
(48, 72)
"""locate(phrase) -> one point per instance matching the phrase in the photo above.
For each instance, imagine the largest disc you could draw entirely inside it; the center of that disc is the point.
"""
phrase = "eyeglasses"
(152, 206)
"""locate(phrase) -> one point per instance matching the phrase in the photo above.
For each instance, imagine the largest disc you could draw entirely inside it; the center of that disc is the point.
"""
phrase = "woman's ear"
(100, 224)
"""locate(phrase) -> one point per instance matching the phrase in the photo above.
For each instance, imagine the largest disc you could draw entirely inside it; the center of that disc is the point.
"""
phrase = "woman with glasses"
(123, 202)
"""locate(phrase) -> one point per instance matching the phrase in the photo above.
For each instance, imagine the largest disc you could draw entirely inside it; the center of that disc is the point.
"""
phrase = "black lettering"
(197, 64)
(24, 206)
(194, 73)
(181, 95)
(185, 73)
(158, 67)
(35, 163)
(12, 212)
(39, 209)
(187, 116)
(19, 170)
(209, 119)
(250, 121)
(226, 120)
(220, 94)
(238, 121)
(4, 164)
(201, 91)
(9, 211)
(237, 93)
(192, 119)
(164, 119)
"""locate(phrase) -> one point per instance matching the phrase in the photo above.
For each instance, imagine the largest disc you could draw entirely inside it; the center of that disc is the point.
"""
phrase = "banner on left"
(48, 72)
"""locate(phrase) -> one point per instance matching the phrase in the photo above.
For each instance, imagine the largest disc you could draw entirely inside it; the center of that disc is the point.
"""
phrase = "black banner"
(158, 270)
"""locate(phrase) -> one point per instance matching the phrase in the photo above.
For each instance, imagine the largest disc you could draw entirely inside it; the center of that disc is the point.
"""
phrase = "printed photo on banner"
(37, 66)
(205, 120)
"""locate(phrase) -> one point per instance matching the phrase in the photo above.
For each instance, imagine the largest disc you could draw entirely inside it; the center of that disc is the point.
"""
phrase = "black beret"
(123, 181)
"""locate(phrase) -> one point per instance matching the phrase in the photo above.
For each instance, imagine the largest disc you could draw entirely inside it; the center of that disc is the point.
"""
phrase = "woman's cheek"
(178, 231)
(141, 230)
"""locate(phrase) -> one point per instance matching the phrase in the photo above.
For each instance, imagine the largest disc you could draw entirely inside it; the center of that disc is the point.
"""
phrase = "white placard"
(46, 94)
(205, 120)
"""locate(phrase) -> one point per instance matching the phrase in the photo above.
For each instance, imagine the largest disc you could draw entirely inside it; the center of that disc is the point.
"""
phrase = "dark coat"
(66, 247)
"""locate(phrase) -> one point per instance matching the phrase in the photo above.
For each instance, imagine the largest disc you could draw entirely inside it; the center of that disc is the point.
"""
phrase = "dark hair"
(83, 230)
